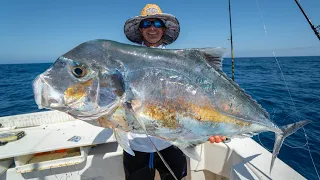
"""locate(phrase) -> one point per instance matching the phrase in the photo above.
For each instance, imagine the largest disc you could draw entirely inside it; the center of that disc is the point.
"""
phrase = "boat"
(53, 145)
(57, 146)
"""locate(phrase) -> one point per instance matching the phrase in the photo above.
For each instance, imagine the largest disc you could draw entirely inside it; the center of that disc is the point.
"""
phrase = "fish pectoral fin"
(191, 152)
(129, 110)
(123, 140)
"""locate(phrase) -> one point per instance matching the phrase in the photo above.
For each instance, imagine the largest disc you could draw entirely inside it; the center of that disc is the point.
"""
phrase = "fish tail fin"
(287, 130)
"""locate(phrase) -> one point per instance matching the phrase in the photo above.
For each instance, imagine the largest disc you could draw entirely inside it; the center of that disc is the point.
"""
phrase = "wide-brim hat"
(131, 27)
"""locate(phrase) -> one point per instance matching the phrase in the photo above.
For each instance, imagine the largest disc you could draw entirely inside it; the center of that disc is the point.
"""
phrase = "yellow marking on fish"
(78, 91)
(210, 114)
(164, 114)
(167, 112)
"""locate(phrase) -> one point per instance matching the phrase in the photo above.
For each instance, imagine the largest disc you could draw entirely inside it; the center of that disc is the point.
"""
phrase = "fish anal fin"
(191, 152)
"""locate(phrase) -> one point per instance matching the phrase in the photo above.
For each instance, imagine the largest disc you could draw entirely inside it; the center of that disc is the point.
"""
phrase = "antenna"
(232, 54)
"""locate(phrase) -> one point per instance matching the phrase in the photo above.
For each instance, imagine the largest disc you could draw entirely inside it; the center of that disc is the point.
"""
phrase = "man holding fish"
(181, 96)
(154, 29)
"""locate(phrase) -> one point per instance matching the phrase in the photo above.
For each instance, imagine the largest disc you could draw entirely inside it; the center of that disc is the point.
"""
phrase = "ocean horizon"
(228, 57)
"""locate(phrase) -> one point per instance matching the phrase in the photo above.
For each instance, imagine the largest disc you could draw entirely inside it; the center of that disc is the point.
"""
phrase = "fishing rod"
(232, 54)
(315, 29)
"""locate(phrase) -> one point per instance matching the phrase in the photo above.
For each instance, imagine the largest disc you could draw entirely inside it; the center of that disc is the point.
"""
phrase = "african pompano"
(180, 95)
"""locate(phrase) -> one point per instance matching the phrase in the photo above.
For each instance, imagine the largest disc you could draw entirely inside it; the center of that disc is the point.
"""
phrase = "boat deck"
(56, 136)
(100, 157)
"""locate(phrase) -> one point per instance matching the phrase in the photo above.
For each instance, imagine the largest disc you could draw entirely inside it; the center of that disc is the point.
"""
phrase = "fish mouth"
(45, 96)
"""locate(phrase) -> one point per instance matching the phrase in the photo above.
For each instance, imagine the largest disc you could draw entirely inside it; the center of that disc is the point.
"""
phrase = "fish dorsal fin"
(213, 56)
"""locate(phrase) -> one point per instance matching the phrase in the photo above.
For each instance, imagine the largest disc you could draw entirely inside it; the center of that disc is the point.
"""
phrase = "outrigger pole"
(310, 23)
(232, 54)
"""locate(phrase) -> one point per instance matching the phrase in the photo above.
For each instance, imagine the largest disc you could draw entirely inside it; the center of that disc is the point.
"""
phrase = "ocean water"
(260, 77)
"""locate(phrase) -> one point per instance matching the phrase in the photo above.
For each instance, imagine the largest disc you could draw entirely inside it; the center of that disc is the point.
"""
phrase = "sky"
(42, 30)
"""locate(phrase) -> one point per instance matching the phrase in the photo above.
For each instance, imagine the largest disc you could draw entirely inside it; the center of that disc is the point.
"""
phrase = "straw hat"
(131, 27)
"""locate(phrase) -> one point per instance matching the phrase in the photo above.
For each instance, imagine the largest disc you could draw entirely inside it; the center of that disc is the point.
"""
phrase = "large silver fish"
(179, 95)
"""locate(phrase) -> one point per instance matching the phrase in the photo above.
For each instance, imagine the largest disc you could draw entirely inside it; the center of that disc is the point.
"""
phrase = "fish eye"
(79, 71)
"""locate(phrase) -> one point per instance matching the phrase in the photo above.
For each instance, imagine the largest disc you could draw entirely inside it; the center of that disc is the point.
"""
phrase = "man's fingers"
(211, 139)
(217, 139)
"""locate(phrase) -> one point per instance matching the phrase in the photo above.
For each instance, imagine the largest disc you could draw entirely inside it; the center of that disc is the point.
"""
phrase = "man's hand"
(217, 139)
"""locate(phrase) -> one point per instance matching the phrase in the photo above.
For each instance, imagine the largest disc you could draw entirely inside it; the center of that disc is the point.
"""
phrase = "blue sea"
(260, 77)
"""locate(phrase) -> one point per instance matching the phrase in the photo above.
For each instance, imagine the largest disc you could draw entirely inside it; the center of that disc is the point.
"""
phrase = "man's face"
(152, 34)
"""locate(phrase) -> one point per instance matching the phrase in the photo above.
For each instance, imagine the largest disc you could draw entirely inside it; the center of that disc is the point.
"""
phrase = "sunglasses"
(147, 24)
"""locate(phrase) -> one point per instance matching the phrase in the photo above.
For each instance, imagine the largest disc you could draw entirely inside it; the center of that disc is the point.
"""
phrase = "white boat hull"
(239, 159)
